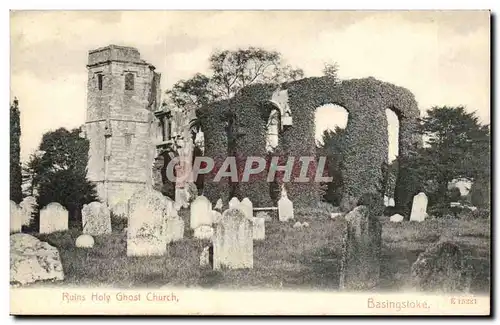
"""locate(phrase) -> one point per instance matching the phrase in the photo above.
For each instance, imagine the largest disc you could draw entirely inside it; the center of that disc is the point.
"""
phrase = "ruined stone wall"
(366, 133)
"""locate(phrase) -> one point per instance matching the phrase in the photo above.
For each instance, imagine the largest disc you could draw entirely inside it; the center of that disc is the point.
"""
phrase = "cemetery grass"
(307, 258)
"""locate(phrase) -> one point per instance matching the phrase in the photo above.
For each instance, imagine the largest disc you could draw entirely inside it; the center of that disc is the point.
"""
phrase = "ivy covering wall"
(366, 137)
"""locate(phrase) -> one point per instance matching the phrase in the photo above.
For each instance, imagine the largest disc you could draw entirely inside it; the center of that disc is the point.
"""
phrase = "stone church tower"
(123, 91)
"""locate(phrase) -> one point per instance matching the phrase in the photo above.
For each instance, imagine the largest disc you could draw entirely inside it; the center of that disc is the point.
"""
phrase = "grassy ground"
(308, 258)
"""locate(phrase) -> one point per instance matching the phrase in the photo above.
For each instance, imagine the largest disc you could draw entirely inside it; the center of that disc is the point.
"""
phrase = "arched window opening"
(100, 79)
(330, 123)
(129, 81)
(391, 170)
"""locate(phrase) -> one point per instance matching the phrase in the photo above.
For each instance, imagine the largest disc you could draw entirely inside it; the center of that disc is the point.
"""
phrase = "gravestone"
(442, 268)
(147, 234)
(419, 207)
(120, 210)
(175, 229)
(247, 207)
(204, 232)
(285, 207)
(234, 203)
(396, 218)
(233, 241)
(259, 228)
(263, 214)
(219, 205)
(33, 260)
(207, 256)
(96, 219)
(20, 215)
(84, 241)
(201, 212)
(16, 217)
(216, 216)
(361, 249)
(53, 217)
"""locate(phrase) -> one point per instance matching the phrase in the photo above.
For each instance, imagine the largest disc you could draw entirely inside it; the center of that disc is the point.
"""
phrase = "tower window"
(100, 78)
(129, 81)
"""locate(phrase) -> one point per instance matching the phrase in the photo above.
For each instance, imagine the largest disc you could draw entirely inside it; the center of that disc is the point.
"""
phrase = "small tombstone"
(175, 229)
(234, 203)
(147, 223)
(305, 224)
(334, 215)
(285, 206)
(219, 205)
(20, 215)
(207, 257)
(96, 219)
(216, 216)
(247, 207)
(16, 218)
(264, 215)
(53, 217)
(361, 249)
(259, 228)
(204, 232)
(297, 225)
(442, 268)
(233, 241)
(396, 218)
(84, 241)
(201, 212)
(120, 209)
(419, 207)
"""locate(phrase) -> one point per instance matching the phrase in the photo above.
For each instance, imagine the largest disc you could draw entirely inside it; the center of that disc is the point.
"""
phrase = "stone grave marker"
(233, 241)
(96, 219)
(53, 217)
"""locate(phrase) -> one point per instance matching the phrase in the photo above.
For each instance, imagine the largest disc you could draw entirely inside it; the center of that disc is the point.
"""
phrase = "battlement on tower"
(115, 53)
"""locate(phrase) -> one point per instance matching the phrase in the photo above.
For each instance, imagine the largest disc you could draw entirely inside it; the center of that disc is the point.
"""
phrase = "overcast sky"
(442, 57)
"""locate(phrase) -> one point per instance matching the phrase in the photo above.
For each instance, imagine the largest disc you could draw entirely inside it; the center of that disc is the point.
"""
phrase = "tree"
(61, 172)
(331, 70)
(332, 146)
(230, 71)
(30, 179)
(457, 147)
(15, 153)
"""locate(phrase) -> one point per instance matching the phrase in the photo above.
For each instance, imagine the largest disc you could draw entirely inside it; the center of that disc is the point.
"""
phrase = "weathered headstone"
(204, 232)
(259, 228)
(216, 216)
(53, 217)
(96, 219)
(234, 203)
(147, 223)
(32, 260)
(201, 212)
(305, 224)
(16, 217)
(207, 256)
(419, 207)
(442, 268)
(334, 215)
(233, 241)
(120, 209)
(84, 241)
(219, 205)
(396, 218)
(361, 249)
(264, 215)
(175, 229)
(20, 215)
(285, 207)
(297, 225)
(247, 207)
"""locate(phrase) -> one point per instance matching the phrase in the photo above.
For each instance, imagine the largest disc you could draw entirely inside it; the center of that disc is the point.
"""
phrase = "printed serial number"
(463, 301)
